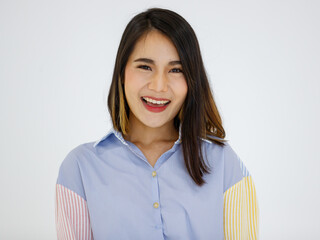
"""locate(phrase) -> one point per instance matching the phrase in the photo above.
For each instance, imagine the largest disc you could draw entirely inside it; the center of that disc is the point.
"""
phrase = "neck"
(146, 136)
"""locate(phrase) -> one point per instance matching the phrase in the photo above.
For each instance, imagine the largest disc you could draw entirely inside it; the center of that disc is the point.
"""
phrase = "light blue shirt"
(127, 198)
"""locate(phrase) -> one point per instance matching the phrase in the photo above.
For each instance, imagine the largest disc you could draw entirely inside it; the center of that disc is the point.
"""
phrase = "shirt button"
(154, 173)
(156, 205)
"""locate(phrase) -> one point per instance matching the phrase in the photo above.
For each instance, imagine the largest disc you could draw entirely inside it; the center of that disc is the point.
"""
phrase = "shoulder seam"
(68, 189)
(237, 183)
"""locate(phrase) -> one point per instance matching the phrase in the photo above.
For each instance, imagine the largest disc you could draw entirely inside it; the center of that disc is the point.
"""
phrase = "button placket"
(154, 173)
(156, 200)
(155, 190)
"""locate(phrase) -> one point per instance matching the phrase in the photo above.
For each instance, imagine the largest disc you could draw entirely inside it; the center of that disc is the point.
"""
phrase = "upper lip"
(157, 99)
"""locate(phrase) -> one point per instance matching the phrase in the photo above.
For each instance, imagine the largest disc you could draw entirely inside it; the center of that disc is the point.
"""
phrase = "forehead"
(156, 45)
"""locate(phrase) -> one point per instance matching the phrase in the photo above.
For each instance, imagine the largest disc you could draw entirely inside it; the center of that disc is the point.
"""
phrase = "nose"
(159, 83)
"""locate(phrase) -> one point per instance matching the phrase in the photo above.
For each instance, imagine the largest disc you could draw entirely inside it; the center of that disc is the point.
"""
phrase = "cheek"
(181, 88)
(132, 82)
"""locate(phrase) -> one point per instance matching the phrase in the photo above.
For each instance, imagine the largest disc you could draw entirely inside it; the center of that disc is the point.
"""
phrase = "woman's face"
(154, 73)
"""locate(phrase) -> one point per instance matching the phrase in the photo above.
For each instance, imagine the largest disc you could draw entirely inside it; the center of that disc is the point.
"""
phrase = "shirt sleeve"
(71, 211)
(240, 210)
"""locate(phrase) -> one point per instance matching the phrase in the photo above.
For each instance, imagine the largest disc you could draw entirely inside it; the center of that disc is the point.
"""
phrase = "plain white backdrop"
(263, 62)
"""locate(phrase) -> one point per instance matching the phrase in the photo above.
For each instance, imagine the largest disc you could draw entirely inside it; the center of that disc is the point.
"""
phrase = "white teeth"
(154, 101)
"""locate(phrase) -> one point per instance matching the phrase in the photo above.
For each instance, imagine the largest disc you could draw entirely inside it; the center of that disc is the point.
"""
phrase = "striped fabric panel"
(241, 212)
(72, 218)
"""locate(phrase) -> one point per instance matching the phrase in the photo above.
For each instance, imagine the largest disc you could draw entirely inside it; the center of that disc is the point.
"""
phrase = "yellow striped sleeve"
(241, 211)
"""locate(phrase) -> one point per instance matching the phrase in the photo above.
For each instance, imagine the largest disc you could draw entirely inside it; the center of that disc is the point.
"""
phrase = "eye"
(176, 70)
(145, 67)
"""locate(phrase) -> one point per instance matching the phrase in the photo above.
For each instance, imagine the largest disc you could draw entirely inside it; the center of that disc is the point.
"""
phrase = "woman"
(164, 170)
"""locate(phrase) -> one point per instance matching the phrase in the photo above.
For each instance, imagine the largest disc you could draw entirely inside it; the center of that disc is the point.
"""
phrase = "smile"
(153, 105)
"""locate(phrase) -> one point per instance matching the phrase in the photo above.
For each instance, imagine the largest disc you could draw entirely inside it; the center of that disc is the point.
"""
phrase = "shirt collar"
(104, 137)
(120, 137)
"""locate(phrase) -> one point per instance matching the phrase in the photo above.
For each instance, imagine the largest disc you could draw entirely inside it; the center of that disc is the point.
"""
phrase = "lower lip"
(154, 109)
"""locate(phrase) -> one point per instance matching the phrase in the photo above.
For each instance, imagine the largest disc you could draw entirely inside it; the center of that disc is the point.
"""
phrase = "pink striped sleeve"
(72, 218)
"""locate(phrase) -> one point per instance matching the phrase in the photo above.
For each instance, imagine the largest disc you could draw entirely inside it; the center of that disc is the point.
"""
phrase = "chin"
(153, 124)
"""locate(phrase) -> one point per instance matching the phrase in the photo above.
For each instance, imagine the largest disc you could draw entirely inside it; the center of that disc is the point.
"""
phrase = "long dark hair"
(199, 116)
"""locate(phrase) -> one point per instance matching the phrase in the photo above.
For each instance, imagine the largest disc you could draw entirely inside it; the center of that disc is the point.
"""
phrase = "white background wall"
(262, 58)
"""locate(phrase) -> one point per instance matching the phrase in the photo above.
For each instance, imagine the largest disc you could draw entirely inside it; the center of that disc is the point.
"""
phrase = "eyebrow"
(150, 61)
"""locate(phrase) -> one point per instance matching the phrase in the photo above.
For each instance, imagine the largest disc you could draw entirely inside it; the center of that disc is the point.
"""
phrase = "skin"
(154, 133)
